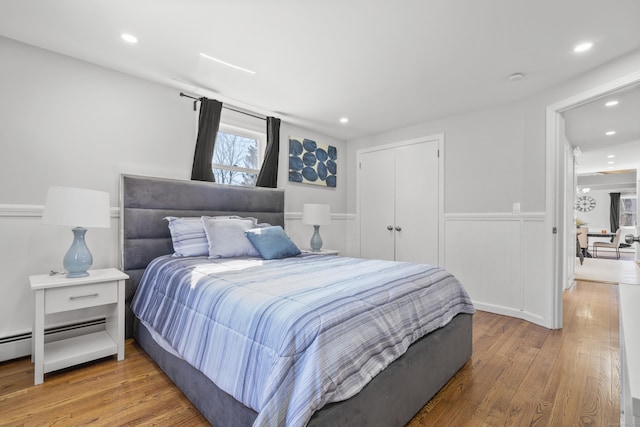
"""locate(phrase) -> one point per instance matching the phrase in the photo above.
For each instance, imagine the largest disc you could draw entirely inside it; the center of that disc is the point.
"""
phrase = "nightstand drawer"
(81, 296)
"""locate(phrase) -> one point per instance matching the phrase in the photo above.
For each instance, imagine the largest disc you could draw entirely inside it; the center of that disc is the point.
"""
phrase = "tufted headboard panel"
(146, 201)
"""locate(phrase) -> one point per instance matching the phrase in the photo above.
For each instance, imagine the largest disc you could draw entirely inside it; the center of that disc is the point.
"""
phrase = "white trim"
(21, 211)
(441, 153)
(554, 265)
(438, 137)
(511, 312)
(35, 211)
(496, 216)
(334, 216)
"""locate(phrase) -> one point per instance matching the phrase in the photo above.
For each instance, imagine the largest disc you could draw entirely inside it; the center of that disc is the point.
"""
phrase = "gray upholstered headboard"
(145, 201)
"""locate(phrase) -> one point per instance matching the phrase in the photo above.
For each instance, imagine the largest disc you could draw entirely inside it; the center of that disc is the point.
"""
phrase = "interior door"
(416, 214)
(377, 204)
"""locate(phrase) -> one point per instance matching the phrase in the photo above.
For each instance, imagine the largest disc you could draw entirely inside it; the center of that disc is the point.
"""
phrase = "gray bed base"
(392, 398)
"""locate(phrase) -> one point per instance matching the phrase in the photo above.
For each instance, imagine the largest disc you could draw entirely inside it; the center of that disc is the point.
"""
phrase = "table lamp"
(316, 215)
(79, 208)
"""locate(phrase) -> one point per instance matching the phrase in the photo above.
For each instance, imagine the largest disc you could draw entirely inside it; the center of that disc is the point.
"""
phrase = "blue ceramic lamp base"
(78, 258)
(316, 240)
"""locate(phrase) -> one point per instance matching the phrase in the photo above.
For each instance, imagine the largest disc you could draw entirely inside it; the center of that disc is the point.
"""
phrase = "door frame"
(441, 153)
(555, 198)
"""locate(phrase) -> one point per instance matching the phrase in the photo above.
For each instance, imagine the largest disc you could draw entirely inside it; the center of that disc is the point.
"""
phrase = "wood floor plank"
(573, 379)
(520, 374)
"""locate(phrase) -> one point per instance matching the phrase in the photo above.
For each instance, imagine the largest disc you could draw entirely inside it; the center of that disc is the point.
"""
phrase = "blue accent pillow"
(272, 242)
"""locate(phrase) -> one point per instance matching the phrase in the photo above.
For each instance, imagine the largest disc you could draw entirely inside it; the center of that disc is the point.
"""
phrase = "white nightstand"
(54, 294)
(321, 251)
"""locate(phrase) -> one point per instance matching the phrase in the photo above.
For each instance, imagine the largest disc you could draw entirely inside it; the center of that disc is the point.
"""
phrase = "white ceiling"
(383, 64)
(586, 128)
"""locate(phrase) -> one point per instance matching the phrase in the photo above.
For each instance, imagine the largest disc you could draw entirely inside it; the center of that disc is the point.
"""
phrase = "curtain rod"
(223, 106)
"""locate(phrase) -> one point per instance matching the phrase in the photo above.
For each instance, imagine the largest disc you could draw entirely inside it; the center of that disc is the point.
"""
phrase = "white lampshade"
(316, 214)
(77, 207)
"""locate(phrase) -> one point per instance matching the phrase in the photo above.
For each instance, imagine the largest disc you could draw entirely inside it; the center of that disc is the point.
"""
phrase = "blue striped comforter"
(287, 336)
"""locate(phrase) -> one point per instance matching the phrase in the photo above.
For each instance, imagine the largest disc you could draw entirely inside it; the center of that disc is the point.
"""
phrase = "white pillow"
(188, 236)
(227, 239)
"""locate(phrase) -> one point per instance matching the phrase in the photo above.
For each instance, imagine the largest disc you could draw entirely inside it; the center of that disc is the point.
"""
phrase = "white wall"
(67, 122)
(297, 194)
(494, 157)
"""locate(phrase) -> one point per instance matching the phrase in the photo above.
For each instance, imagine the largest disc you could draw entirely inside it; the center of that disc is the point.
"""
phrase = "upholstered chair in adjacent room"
(615, 243)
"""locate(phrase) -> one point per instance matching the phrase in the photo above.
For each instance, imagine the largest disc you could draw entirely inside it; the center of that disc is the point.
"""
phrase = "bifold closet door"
(416, 212)
(399, 203)
(377, 204)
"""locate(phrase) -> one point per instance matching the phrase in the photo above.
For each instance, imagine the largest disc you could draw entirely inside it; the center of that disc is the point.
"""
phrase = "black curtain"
(268, 176)
(208, 125)
(614, 212)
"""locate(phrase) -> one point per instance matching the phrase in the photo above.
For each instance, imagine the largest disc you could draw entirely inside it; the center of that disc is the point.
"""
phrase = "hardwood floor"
(520, 374)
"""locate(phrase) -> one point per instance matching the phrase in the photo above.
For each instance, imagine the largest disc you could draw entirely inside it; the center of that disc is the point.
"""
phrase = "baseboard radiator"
(19, 345)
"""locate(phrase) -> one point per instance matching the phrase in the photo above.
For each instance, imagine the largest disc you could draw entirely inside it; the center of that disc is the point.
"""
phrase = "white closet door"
(416, 235)
(377, 204)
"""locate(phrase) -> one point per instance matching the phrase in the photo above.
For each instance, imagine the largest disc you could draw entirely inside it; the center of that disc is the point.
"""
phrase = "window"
(237, 156)
(628, 210)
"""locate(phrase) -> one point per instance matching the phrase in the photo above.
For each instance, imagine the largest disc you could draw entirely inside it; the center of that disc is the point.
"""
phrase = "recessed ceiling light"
(611, 132)
(515, 77)
(129, 38)
(227, 63)
(611, 103)
(583, 47)
(344, 120)
(611, 156)
(611, 162)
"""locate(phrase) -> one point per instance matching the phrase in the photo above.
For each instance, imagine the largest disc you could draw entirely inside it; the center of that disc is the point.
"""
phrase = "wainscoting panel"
(536, 302)
(497, 258)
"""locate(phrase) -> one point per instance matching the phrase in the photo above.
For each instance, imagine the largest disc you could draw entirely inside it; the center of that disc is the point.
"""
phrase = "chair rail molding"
(26, 211)
(495, 216)
(21, 211)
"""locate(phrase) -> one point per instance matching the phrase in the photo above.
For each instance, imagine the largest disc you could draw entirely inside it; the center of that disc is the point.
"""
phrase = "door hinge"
(555, 230)
(438, 153)
(359, 165)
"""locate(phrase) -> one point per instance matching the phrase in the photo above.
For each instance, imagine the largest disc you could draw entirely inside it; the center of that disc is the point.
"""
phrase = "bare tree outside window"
(235, 159)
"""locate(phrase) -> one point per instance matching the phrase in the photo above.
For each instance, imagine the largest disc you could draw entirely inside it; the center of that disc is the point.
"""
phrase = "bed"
(391, 398)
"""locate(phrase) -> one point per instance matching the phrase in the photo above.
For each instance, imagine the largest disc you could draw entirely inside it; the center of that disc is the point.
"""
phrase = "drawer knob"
(73, 298)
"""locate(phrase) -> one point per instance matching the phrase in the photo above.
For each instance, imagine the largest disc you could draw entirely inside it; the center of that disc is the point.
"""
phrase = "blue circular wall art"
(312, 163)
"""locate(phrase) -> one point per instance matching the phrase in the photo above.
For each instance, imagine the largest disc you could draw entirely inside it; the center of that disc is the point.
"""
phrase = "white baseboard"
(507, 311)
